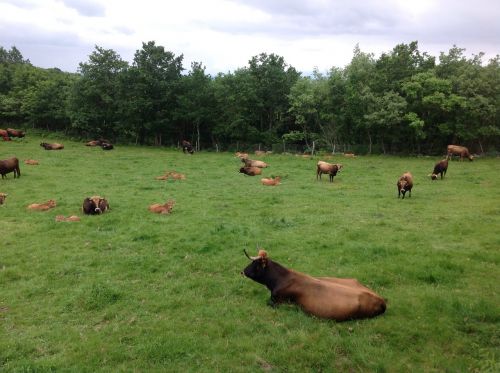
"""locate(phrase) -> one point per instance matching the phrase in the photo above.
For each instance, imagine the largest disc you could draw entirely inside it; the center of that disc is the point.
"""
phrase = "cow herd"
(326, 297)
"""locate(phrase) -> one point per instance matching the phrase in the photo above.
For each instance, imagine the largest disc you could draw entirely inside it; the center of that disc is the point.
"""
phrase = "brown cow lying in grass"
(252, 163)
(69, 218)
(405, 184)
(54, 146)
(10, 165)
(172, 174)
(271, 181)
(95, 205)
(15, 133)
(440, 168)
(43, 206)
(251, 171)
(3, 196)
(32, 162)
(241, 155)
(166, 208)
(327, 297)
(327, 168)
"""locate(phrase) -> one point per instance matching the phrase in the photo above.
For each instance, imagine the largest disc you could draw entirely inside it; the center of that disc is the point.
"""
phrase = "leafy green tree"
(95, 99)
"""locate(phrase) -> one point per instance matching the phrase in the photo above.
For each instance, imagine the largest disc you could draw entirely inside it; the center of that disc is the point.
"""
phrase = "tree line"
(401, 102)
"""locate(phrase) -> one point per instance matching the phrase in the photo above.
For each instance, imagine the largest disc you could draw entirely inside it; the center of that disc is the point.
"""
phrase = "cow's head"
(433, 176)
(257, 270)
(2, 197)
(99, 204)
(51, 203)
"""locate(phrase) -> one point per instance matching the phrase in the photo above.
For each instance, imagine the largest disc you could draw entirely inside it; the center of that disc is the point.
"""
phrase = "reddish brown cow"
(405, 184)
(461, 151)
(271, 181)
(166, 208)
(251, 171)
(10, 165)
(440, 168)
(327, 168)
(5, 135)
(69, 218)
(251, 163)
(32, 162)
(3, 196)
(54, 146)
(15, 133)
(43, 206)
(326, 297)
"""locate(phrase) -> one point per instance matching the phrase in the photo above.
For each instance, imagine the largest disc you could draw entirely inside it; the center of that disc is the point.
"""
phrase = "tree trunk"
(370, 143)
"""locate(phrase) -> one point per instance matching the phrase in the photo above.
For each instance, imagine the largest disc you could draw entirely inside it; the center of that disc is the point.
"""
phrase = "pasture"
(130, 290)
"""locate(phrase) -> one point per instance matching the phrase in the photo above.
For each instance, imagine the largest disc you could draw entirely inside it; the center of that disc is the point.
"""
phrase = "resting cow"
(93, 143)
(187, 147)
(271, 181)
(107, 146)
(251, 163)
(10, 165)
(3, 196)
(54, 146)
(15, 133)
(95, 205)
(250, 171)
(327, 297)
(440, 168)
(69, 218)
(327, 168)
(50, 204)
(166, 208)
(32, 162)
(405, 184)
(461, 151)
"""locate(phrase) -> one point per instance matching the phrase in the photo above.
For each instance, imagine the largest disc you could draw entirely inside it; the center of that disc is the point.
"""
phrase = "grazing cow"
(405, 184)
(327, 168)
(3, 196)
(5, 135)
(326, 297)
(32, 162)
(251, 171)
(187, 147)
(440, 168)
(10, 165)
(69, 218)
(43, 206)
(166, 208)
(251, 163)
(95, 205)
(107, 146)
(461, 151)
(271, 181)
(54, 146)
(15, 133)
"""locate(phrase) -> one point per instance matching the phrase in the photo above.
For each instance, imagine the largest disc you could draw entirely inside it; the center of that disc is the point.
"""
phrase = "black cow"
(187, 147)
(95, 205)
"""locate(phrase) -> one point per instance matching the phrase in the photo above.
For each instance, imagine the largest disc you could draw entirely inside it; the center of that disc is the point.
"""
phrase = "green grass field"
(134, 291)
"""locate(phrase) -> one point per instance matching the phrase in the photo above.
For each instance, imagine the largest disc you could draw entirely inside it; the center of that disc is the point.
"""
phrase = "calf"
(162, 209)
(50, 204)
(107, 146)
(461, 151)
(32, 162)
(10, 165)
(69, 218)
(93, 143)
(405, 184)
(440, 168)
(251, 171)
(271, 181)
(15, 133)
(326, 297)
(95, 205)
(54, 146)
(327, 168)
(3, 196)
(187, 147)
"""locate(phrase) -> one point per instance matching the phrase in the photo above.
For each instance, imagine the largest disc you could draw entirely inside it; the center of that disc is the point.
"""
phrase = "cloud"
(86, 8)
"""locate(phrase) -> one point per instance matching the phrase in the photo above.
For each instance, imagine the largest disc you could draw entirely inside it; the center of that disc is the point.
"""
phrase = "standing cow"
(405, 184)
(461, 151)
(187, 147)
(440, 168)
(10, 165)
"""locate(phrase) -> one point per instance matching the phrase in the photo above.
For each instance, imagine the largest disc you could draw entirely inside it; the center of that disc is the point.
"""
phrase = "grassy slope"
(131, 290)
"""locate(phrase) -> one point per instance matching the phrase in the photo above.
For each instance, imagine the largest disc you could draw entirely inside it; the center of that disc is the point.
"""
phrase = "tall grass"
(133, 291)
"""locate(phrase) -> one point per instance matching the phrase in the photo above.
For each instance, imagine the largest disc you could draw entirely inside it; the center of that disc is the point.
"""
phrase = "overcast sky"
(225, 34)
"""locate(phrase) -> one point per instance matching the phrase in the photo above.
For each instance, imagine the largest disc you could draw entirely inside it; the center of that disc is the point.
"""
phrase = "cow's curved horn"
(248, 256)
